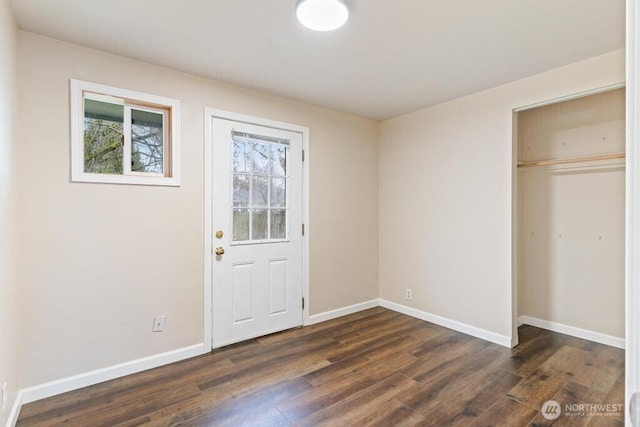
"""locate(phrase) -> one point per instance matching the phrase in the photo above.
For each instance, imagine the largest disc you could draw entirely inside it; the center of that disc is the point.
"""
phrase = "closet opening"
(569, 216)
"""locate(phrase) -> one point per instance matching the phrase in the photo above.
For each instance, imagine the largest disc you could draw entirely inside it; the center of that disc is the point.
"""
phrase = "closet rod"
(573, 160)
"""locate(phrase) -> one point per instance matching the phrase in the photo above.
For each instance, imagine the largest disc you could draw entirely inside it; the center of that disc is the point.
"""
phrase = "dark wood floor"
(376, 367)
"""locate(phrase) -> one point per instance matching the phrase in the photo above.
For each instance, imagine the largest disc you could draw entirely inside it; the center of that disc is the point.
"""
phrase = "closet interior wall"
(571, 213)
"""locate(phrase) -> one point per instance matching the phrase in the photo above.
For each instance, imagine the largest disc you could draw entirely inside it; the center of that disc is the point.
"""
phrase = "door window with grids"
(259, 181)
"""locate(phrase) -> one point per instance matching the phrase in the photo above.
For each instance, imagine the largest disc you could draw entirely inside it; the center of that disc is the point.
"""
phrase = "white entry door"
(257, 230)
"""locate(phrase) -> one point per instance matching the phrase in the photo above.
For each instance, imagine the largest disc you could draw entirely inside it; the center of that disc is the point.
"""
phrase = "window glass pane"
(259, 223)
(261, 158)
(259, 188)
(240, 190)
(240, 224)
(279, 160)
(260, 192)
(278, 224)
(103, 137)
(241, 156)
(146, 142)
(278, 192)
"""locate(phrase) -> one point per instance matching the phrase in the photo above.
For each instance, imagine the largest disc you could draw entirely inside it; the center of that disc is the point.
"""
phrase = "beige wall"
(8, 212)
(100, 261)
(446, 196)
(571, 218)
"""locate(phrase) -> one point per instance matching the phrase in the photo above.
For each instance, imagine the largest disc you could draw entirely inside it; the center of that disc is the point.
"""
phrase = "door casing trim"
(212, 113)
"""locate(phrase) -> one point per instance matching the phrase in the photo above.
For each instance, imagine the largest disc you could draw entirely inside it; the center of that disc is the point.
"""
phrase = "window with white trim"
(123, 137)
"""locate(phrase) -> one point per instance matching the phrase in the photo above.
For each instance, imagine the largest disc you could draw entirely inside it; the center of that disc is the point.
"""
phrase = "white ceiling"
(392, 57)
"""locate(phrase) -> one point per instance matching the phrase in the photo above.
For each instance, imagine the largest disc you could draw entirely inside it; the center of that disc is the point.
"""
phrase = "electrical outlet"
(158, 323)
(4, 397)
(408, 294)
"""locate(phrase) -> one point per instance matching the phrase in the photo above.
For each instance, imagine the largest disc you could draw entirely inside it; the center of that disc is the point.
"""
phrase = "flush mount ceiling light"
(322, 15)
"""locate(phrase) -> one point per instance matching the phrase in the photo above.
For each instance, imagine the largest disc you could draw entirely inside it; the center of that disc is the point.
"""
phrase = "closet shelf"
(565, 161)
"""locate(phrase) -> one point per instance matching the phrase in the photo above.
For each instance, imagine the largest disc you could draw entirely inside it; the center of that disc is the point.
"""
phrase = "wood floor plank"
(529, 355)
(110, 414)
(214, 400)
(249, 379)
(106, 391)
(393, 413)
(335, 328)
(441, 389)
(589, 346)
(237, 410)
(376, 367)
(506, 412)
(601, 370)
(129, 394)
(378, 329)
(445, 342)
(463, 408)
(350, 410)
(605, 422)
(281, 352)
(270, 418)
(328, 394)
(527, 333)
(572, 393)
(364, 341)
(328, 328)
(429, 331)
(443, 354)
(387, 366)
(319, 398)
(180, 413)
(549, 378)
(360, 359)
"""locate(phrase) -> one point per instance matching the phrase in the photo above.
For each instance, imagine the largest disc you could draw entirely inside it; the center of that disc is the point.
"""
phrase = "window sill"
(125, 179)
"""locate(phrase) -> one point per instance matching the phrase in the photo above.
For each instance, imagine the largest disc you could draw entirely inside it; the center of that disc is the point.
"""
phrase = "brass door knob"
(219, 251)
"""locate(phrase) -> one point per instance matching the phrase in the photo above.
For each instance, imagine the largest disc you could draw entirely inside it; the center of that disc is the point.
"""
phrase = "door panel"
(277, 286)
(257, 205)
(242, 293)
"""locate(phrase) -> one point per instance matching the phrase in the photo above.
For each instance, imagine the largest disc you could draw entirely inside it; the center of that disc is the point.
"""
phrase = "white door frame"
(209, 114)
(632, 274)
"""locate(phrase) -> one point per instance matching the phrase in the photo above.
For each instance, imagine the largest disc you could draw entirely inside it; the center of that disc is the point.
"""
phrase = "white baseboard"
(502, 340)
(333, 314)
(15, 410)
(75, 382)
(573, 331)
